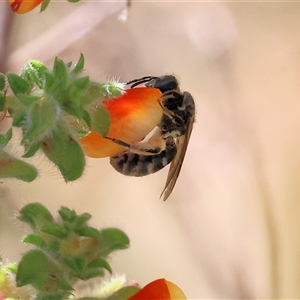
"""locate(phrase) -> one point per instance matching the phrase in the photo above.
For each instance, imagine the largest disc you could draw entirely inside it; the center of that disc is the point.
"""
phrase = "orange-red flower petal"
(133, 115)
(23, 6)
(159, 289)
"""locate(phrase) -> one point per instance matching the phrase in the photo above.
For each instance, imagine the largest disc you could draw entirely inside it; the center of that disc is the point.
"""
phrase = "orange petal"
(23, 6)
(159, 289)
(133, 115)
(95, 145)
(175, 291)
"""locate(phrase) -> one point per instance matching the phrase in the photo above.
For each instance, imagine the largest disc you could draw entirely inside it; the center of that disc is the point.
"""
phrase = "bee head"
(164, 83)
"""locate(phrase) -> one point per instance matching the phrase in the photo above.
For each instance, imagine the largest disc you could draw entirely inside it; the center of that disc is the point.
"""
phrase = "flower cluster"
(68, 252)
(53, 109)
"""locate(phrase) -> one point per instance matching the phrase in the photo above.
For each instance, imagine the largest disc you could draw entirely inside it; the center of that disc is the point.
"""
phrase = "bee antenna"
(136, 82)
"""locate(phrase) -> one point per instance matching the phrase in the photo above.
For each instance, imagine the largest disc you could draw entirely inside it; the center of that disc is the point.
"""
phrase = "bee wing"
(175, 167)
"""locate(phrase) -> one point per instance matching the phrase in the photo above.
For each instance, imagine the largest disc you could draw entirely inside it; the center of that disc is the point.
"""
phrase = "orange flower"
(23, 6)
(159, 289)
(133, 115)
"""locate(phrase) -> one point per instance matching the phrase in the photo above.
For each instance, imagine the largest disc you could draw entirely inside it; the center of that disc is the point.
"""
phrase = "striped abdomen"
(132, 164)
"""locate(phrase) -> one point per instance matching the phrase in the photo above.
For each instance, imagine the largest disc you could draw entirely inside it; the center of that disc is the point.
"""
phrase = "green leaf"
(82, 83)
(88, 232)
(28, 100)
(124, 293)
(113, 239)
(49, 296)
(54, 229)
(76, 264)
(44, 5)
(2, 101)
(60, 74)
(100, 263)
(19, 118)
(63, 284)
(100, 120)
(41, 271)
(76, 98)
(91, 273)
(94, 92)
(67, 214)
(72, 107)
(69, 65)
(35, 214)
(5, 138)
(77, 89)
(16, 109)
(17, 84)
(92, 298)
(41, 119)
(33, 72)
(34, 239)
(81, 220)
(32, 149)
(2, 81)
(3, 276)
(65, 152)
(12, 267)
(49, 82)
(80, 64)
(11, 167)
(87, 118)
(35, 268)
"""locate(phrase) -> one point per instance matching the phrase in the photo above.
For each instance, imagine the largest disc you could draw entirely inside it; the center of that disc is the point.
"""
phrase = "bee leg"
(155, 145)
(171, 115)
(119, 142)
(166, 112)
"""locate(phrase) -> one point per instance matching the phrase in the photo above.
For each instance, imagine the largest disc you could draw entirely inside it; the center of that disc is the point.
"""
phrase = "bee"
(169, 142)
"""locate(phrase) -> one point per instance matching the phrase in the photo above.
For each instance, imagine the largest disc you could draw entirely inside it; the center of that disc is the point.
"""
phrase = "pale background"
(230, 229)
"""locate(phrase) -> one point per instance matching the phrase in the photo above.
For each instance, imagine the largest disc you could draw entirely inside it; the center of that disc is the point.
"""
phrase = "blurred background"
(230, 229)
